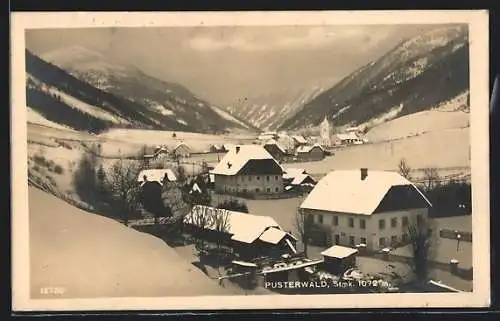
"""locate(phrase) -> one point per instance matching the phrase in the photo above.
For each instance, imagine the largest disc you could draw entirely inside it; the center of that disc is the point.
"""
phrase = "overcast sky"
(222, 64)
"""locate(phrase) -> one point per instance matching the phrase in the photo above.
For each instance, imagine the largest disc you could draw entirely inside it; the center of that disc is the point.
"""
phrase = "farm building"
(298, 179)
(310, 153)
(338, 259)
(182, 150)
(275, 149)
(347, 139)
(373, 208)
(157, 153)
(299, 140)
(248, 170)
(248, 235)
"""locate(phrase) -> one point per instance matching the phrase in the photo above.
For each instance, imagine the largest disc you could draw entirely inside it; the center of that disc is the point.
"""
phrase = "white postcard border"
(479, 98)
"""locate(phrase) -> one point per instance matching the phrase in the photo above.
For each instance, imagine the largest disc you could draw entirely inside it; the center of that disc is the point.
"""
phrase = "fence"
(449, 234)
(463, 273)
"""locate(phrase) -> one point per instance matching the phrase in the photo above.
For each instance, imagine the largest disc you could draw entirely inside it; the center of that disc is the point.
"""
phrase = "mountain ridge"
(415, 75)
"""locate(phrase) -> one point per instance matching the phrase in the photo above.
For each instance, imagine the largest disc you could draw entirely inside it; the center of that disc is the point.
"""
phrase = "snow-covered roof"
(339, 252)
(344, 191)
(290, 173)
(181, 144)
(347, 136)
(299, 179)
(307, 149)
(156, 175)
(299, 139)
(243, 227)
(195, 188)
(272, 235)
(234, 160)
(274, 142)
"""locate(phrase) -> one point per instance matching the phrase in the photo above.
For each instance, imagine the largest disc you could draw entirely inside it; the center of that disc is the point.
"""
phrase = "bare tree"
(122, 181)
(304, 225)
(174, 201)
(222, 224)
(201, 218)
(431, 179)
(422, 240)
(403, 169)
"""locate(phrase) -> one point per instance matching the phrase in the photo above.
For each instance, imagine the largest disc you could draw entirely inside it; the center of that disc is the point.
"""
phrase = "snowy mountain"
(269, 111)
(417, 74)
(167, 105)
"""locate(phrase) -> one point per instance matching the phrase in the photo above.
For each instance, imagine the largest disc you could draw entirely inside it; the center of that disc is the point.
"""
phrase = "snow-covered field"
(35, 117)
(84, 254)
(417, 124)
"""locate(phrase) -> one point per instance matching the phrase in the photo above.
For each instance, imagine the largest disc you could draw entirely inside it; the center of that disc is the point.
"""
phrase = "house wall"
(252, 184)
(314, 154)
(350, 236)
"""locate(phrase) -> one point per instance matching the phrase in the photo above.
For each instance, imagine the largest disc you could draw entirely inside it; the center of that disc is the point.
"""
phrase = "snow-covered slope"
(34, 117)
(84, 254)
(419, 73)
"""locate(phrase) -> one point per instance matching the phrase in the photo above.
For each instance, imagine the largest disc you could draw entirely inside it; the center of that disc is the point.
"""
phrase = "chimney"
(364, 173)
(237, 149)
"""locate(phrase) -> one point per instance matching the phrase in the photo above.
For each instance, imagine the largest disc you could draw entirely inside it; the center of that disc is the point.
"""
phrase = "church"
(325, 133)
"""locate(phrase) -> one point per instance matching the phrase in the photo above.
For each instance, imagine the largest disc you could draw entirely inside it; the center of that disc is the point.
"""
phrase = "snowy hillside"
(159, 98)
(419, 73)
(269, 111)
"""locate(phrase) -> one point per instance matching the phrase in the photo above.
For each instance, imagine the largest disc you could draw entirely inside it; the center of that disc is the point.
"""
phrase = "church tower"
(325, 133)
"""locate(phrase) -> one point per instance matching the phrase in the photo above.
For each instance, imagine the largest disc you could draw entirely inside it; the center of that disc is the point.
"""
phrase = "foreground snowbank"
(92, 256)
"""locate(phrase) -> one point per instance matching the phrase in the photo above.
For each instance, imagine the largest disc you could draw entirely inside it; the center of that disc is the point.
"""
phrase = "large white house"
(248, 169)
(365, 207)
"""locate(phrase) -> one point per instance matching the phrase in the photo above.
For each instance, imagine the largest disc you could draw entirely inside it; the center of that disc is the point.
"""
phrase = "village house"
(181, 150)
(248, 170)
(348, 139)
(275, 150)
(373, 208)
(157, 153)
(297, 179)
(151, 182)
(298, 141)
(310, 153)
(249, 236)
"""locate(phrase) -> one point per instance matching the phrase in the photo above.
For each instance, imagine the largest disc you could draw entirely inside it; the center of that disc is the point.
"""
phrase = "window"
(249, 178)
(337, 239)
(277, 190)
(404, 238)
(257, 190)
(394, 222)
(242, 178)
(351, 240)
(405, 221)
(394, 239)
(381, 224)
(245, 190)
(381, 241)
(267, 178)
(363, 240)
(268, 190)
(351, 222)
(419, 218)
(335, 220)
(320, 219)
(362, 224)
(276, 177)
(258, 178)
